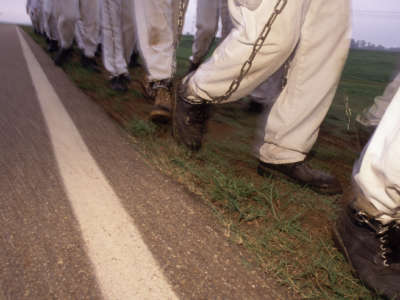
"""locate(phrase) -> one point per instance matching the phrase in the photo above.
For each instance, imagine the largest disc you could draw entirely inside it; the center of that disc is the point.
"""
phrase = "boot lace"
(382, 233)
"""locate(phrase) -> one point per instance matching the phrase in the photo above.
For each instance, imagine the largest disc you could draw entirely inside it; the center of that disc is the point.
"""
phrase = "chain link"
(177, 35)
(279, 7)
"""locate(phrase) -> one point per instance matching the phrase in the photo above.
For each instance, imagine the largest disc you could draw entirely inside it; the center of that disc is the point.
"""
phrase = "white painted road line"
(124, 266)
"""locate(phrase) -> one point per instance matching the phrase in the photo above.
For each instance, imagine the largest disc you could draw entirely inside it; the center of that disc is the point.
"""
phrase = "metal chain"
(280, 5)
(177, 35)
(181, 19)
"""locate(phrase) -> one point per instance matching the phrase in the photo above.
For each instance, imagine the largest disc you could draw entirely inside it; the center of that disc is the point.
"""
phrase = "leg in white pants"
(373, 115)
(118, 33)
(156, 37)
(208, 13)
(68, 15)
(207, 16)
(87, 30)
(50, 19)
(320, 29)
(377, 172)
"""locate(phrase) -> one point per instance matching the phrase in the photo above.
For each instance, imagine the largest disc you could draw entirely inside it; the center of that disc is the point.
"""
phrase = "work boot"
(161, 111)
(319, 181)
(52, 46)
(89, 63)
(62, 56)
(372, 249)
(190, 122)
(119, 83)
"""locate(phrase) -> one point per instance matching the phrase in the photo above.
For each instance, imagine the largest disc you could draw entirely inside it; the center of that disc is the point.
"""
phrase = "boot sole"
(160, 116)
(277, 174)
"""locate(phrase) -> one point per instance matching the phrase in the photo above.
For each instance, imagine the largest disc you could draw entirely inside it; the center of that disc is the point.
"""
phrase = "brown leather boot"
(302, 173)
(190, 122)
(161, 112)
(372, 249)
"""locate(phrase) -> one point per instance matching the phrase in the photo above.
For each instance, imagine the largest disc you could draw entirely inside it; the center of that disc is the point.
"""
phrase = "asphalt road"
(83, 216)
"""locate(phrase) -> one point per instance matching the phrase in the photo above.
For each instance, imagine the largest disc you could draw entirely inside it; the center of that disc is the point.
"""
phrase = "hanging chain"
(177, 35)
(280, 5)
(181, 18)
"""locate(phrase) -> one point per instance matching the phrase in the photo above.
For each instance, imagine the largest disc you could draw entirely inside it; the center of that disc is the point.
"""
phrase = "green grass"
(286, 227)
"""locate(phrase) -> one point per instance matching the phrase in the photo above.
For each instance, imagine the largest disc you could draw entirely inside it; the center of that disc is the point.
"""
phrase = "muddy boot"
(372, 249)
(52, 46)
(319, 181)
(161, 111)
(62, 56)
(89, 63)
(190, 122)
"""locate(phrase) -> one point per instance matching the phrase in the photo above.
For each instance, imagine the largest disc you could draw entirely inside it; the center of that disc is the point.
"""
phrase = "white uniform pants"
(67, 16)
(320, 30)
(33, 9)
(156, 37)
(119, 35)
(377, 172)
(372, 115)
(208, 13)
(87, 29)
(50, 19)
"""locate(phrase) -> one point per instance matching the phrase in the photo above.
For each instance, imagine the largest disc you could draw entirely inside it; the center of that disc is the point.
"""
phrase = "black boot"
(372, 249)
(134, 60)
(89, 63)
(302, 173)
(119, 83)
(62, 56)
(53, 46)
(190, 122)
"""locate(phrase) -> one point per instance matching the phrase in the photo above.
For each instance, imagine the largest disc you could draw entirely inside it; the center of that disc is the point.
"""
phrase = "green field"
(286, 228)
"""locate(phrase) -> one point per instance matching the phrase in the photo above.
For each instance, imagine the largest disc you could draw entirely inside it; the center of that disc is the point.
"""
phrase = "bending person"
(319, 30)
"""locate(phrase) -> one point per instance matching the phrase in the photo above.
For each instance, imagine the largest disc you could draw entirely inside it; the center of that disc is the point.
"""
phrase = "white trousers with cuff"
(320, 30)
(376, 174)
